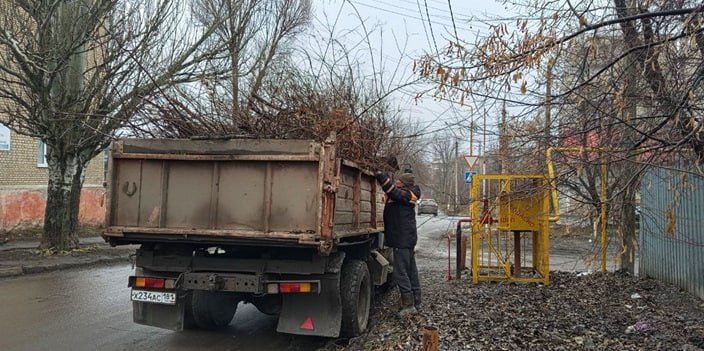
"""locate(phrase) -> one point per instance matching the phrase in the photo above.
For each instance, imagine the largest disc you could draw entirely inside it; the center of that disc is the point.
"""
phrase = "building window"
(4, 138)
(41, 154)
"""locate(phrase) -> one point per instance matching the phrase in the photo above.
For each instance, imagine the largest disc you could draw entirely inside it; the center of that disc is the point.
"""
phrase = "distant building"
(23, 184)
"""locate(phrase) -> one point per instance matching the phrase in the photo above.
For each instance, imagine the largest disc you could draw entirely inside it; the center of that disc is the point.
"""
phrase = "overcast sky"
(401, 32)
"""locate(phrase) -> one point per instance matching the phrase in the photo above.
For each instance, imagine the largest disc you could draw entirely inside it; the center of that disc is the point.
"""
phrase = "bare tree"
(278, 88)
(443, 166)
(256, 33)
(73, 72)
(662, 42)
(255, 38)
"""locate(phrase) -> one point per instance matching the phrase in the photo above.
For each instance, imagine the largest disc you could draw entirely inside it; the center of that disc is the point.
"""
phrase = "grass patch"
(54, 252)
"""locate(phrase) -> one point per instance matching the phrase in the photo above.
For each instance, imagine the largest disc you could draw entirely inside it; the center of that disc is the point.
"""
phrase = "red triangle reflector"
(307, 324)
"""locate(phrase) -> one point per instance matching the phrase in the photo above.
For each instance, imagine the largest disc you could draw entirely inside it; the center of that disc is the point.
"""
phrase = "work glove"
(383, 179)
(380, 177)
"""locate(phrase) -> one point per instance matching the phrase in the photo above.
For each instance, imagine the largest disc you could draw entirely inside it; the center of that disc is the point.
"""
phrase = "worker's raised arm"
(400, 195)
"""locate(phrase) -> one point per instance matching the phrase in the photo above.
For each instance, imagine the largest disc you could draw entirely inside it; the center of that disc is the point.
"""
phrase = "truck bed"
(242, 190)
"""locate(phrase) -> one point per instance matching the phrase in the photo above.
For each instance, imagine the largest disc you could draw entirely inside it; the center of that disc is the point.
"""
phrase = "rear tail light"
(157, 283)
(294, 287)
(291, 287)
(154, 283)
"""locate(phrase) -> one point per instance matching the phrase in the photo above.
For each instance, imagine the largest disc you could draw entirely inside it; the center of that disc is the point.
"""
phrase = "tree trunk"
(65, 167)
(627, 228)
(627, 224)
(63, 199)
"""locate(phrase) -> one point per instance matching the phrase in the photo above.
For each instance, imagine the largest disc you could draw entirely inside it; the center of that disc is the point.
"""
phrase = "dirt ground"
(578, 310)
(590, 312)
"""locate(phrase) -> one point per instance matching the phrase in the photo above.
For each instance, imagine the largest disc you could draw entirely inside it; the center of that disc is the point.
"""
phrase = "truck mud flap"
(158, 315)
(313, 314)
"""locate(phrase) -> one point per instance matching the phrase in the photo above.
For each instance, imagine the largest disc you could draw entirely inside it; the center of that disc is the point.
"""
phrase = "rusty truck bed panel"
(358, 204)
(279, 189)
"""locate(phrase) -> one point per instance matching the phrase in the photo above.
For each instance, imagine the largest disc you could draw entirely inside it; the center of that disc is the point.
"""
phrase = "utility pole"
(503, 141)
(548, 105)
(471, 137)
(483, 153)
(457, 171)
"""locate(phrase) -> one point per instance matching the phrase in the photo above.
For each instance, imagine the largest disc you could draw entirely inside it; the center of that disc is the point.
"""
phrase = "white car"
(428, 206)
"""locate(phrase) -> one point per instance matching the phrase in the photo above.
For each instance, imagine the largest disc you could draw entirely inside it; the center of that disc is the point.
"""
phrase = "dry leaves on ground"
(597, 311)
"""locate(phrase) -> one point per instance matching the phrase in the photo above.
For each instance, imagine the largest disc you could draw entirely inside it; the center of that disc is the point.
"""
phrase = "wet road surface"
(89, 309)
(566, 254)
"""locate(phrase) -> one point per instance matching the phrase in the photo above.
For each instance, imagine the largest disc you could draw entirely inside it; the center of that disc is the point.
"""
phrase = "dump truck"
(285, 225)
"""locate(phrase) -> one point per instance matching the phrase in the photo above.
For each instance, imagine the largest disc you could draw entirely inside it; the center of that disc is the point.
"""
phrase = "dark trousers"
(405, 271)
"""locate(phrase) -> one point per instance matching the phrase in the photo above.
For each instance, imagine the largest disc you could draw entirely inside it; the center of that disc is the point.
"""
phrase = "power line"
(445, 13)
(432, 34)
(452, 16)
(441, 3)
(396, 12)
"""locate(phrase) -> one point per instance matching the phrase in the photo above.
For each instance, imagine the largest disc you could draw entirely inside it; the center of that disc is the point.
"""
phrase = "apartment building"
(23, 184)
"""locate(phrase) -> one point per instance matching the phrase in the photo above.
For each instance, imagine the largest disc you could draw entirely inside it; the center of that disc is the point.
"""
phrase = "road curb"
(44, 268)
(10, 271)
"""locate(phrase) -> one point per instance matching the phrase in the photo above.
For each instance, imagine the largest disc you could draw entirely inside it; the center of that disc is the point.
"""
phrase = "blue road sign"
(468, 176)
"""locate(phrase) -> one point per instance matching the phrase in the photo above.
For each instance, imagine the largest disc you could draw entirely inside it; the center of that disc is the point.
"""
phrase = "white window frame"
(7, 130)
(41, 154)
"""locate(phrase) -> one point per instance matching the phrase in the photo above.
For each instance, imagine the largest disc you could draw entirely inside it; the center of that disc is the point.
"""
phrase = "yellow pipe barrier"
(553, 189)
(491, 250)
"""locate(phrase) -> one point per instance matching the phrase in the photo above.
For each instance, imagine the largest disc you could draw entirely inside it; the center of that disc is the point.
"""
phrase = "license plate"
(166, 298)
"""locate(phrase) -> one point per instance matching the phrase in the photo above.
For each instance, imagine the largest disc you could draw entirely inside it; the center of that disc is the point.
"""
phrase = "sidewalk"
(21, 257)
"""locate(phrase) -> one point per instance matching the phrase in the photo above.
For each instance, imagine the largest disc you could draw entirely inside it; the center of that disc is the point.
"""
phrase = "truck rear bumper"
(308, 288)
(317, 314)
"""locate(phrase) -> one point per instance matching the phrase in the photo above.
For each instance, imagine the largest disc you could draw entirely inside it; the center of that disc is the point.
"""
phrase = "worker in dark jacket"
(400, 234)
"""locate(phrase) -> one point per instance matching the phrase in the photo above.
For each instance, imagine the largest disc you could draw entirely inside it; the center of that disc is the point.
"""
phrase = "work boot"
(417, 299)
(407, 305)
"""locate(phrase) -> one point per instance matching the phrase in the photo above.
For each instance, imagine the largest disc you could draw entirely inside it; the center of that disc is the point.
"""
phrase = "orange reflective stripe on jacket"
(414, 198)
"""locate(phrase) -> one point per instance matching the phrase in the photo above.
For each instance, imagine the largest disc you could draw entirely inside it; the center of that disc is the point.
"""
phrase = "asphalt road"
(89, 309)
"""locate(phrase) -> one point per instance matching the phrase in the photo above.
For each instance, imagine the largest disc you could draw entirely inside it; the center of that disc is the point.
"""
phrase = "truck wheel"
(355, 293)
(213, 310)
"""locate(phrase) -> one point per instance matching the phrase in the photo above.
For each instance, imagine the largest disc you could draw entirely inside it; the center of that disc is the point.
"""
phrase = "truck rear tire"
(355, 293)
(212, 310)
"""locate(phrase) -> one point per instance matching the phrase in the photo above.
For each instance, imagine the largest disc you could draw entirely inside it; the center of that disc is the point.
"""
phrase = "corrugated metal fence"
(672, 229)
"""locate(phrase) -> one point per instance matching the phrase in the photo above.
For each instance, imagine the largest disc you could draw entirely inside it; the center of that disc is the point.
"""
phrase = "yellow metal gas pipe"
(553, 189)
